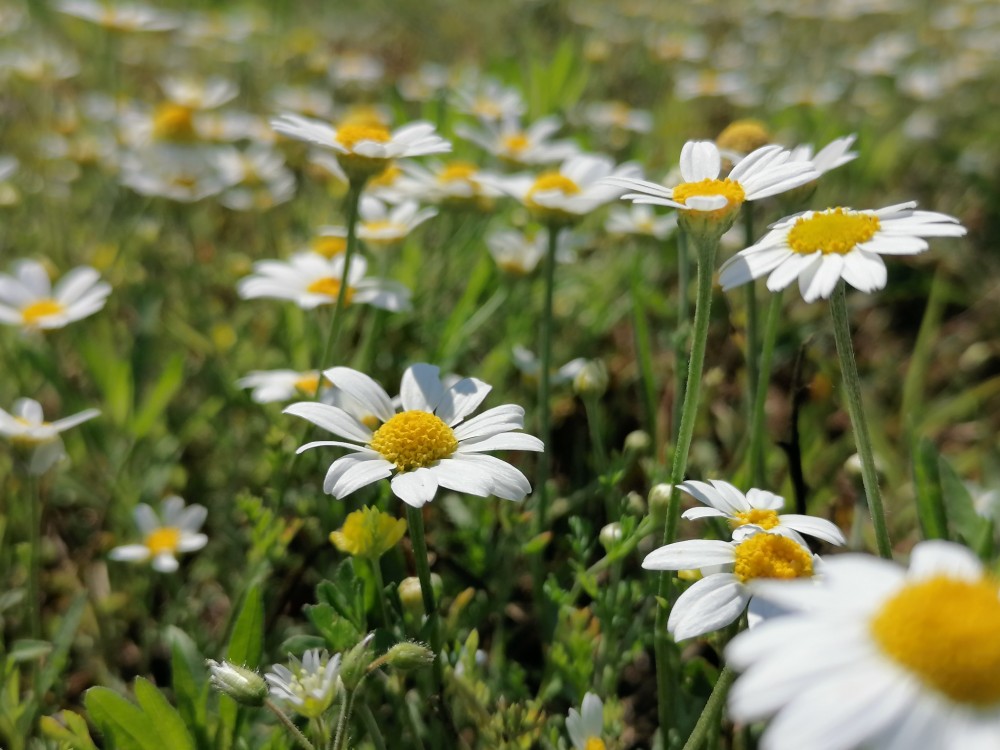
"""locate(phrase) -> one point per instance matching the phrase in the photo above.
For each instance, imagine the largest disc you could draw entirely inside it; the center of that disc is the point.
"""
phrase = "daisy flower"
(455, 184)
(427, 444)
(310, 280)
(528, 365)
(819, 248)
(586, 726)
(617, 115)
(174, 531)
(639, 219)
(268, 386)
(509, 141)
(28, 299)
(834, 154)
(489, 100)
(307, 686)
(757, 509)
(260, 179)
(710, 204)
(121, 17)
(364, 150)
(518, 253)
(26, 427)
(720, 596)
(877, 656)
(382, 226)
(185, 174)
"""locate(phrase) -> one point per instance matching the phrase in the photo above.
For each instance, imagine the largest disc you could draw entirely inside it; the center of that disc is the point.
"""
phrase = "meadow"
(477, 375)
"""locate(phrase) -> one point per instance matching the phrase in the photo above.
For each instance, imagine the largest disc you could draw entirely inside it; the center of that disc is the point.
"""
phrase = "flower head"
(369, 533)
(307, 686)
(509, 141)
(877, 656)
(382, 226)
(173, 531)
(28, 430)
(427, 444)
(819, 248)
(28, 299)
(586, 726)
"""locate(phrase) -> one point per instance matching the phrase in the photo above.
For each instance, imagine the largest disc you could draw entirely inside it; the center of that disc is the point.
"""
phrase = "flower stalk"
(757, 429)
(544, 380)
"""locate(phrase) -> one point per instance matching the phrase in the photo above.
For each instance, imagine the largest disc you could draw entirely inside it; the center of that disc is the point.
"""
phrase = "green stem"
(345, 714)
(750, 293)
(289, 725)
(383, 611)
(415, 520)
(643, 346)
(681, 334)
(544, 385)
(34, 560)
(855, 406)
(757, 428)
(371, 726)
(713, 708)
(592, 406)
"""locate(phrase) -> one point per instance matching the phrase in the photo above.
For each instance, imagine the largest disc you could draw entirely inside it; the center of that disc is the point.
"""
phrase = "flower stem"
(681, 334)
(383, 611)
(752, 337)
(544, 376)
(34, 559)
(855, 406)
(710, 714)
(345, 714)
(371, 726)
(415, 520)
(757, 429)
(643, 347)
(289, 725)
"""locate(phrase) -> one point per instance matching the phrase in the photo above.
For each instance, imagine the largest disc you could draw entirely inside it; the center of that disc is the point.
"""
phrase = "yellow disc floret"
(945, 631)
(32, 314)
(837, 230)
(766, 519)
(414, 439)
(730, 190)
(163, 540)
(772, 556)
(548, 182)
(515, 143)
(743, 136)
(173, 122)
(350, 135)
(308, 383)
(458, 171)
(329, 286)
(329, 245)
(595, 743)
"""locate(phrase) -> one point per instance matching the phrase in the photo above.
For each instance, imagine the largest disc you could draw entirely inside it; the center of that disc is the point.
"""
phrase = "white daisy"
(308, 686)
(456, 184)
(719, 598)
(528, 365)
(364, 150)
(426, 445)
(26, 427)
(260, 179)
(268, 386)
(819, 248)
(704, 197)
(196, 93)
(310, 280)
(518, 253)
(28, 299)
(186, 174)
(876, 656)
(640, 219)
(617, 115)
(489, 100)
(758, 509)
(586, 726)
(174, 531)
(834, 154)
(120, 17)
(531, 146)
(381, 226)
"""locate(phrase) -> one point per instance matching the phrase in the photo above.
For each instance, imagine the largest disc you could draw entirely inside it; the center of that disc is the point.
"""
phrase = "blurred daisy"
(639, 219)
(357, 70)
(311, 102)
(722, 594)
(27, 429)
(329, 241)
(742, 137)
(381, 226)
(197, 93)
(426, 445)
(530, 146)
(617, 115)
(268, 386)
(364, 150)
(528, 365)
(518, 253)
(120, 17)
(456, 184)
(876, 656)
(757, 509)
(28, 299)
(260, 179)
(819, 248)
(586, 726)
(186, 174)
(426, 84)
(308, 686)
(706, 199)
(489, 100)
(165, 536)
(310, 280)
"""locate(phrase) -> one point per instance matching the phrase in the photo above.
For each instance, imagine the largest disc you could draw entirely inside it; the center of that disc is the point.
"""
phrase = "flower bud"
(411, 596)
(355, 662)
(592, 379)
(610, 535)
(638, 442)
(243, 685)
(409, 656)
(659, 500)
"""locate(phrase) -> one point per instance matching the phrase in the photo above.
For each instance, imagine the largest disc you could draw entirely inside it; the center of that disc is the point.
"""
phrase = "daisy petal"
(416, 487)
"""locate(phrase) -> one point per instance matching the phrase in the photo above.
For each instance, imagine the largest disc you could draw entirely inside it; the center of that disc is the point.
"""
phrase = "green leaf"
(72, 730)
(123, 722)
(170, 729)
(969, 525)
(158, 398)
(28, 650)
(62, 642)
(247, 641)
(338, 632)
(930, 502)
(189, 683)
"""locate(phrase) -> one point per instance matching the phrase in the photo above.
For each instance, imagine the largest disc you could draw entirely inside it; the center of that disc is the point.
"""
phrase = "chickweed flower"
(876, 656)
(308, 686)
(165, 536)
(586, 726)
(368, 533)
(28, 299)
(427, 444)
(819, 248)
(27, 429)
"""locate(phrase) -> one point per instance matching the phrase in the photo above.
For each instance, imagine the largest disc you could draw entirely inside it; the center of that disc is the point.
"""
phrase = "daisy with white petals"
(381, 225)
(834, 154)
(819, 248)
(426, 445)
(586, 726)
(165, 536)
(27, 429)
(878, 657)
(28, 299)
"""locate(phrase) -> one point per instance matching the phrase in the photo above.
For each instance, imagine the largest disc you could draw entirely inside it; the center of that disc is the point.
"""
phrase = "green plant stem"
(544, 385)
(371, 726)
(415, 520)
(643, 346)
(383, 611)
(34, 559)
(666, 654)
(750, 297)
(681, 334)
(757, 428)
(713, 708)
(289, 725)
(592, 406)
(345, 715)
(855, 406)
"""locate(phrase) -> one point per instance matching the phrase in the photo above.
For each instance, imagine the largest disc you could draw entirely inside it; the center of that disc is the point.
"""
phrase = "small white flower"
(268, 386)
(518, 253)
(617, 115)
(180, 173)
(380, 225)
(26, 426)
(426, 445)
(309, 686)
(819, 248)
(28, 299)
(260, 179)
(165, 536)
(199, 93)
(457, 184)
(121, 17)
(528, 365)
(639, 219)
(530, 146)
(586, 726)
(489, 100)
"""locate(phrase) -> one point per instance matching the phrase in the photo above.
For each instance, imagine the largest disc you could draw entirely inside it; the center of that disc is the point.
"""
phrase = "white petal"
(493, 421)
(331, 418)
(936, 557)
(415, 487)
(700, 160)
(819, 280)
(130, 553)
(145, 519)
(717, 495)
(191, 542)
(354, 471)
(508, 483)
(165, 563)
(505, 441)
(694, 514)
(463, 476)
(813, 526)
(709, 604)
(864, 271)
(788, 271)
(690, 554)
(66, 422)
(421, 388)
(364, 390)
(463, 398)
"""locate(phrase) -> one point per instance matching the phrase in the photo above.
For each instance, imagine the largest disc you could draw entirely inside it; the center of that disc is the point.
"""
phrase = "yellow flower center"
(744, 136)
(350, 135)
(515, 142)
(386, 178)
(329, 245)
(487, 108)
(766, 519)
(43, 308)
(414, 439)
(162, 540)
(771, 556)
(329, 286)
(594, 743)
(308, 383)
(549, 181)
(185, 181)
(945, 631)
(458, 171)
(836, 230)
(368, 533)
(730, 190)
(173, 122)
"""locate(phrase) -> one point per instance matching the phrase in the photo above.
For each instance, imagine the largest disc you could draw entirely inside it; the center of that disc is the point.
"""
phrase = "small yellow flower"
(368, 533)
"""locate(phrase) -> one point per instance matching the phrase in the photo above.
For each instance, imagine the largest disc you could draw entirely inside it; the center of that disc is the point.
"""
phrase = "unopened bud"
(355, 662)
(610, 535)
(411, 596)
(638, 442)
(592, 380)
(239, 683)
(408, 656)
(659, 500)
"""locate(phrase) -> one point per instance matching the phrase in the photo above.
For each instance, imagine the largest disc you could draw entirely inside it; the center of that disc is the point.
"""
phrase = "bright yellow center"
(744, 136)
(163, 540)
(553, 181)
(185, 181)
(836, 230)
(594, 743)
(308, 383)
(771, 556)
(728, 189)
(381, 225)
(386, 178)
(43, 308)
(350, 135)
(414, 439)
(329, 245)
(515, 142)
(766, 519)
(173, 122)
(330, 287)
(946, 631)
(458, 171)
